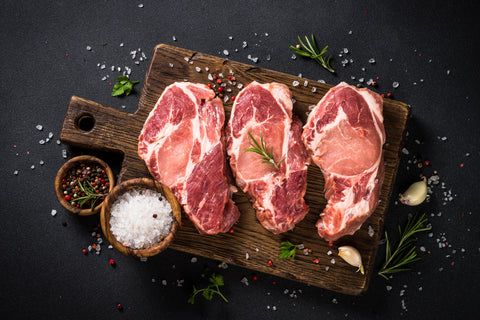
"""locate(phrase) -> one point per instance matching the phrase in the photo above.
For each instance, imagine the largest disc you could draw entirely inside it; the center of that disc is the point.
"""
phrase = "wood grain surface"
(117, 131)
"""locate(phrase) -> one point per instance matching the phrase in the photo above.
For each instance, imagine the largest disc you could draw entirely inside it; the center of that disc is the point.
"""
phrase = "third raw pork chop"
(265, 111)
(183, 147)
(344, 134)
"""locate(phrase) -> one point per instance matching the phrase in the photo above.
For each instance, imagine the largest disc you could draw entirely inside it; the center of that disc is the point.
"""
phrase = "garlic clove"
(351, 256)
(415, 194)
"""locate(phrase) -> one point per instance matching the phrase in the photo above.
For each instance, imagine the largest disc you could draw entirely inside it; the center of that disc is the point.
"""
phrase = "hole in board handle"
(85, 122)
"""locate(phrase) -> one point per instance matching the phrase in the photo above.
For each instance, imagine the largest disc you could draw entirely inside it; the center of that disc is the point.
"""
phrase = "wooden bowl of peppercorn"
(82, 184)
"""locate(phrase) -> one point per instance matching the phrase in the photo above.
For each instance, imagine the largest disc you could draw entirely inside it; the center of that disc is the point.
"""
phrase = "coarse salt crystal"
(371, 232)
(132, 218)
(293, 57)
(225, 52)
(198, 69)
(15, 172)
(193, 260)
(371, 60)
(305, 83)
(395, 84)
(53, 212)
(295, 83)
(39, 127)
(174, 38)
(89, 48)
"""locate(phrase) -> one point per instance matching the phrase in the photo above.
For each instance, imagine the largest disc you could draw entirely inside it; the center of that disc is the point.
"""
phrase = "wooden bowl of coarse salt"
(140, 217)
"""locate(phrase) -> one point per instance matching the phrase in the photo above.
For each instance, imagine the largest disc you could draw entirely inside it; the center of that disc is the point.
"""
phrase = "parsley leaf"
(123, 86)
(216, 281)
(287, 250)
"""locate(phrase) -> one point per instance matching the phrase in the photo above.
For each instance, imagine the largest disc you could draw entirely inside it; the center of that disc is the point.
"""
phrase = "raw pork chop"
(344, 135)
(182, 145)
(276, 194)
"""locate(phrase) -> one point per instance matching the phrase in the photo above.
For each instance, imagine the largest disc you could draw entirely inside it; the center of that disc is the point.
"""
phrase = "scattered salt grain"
(388, 288)
(193, 260)
(371, 232)
(110, 246)
(225, 52)
(132, 218)
(448, 72)
(269, 57)
(174, 38)
(395, 84)
(41, 162)
(15, 172)
(224, 265)
(64, 153)
(314, 89)
(293, 57)
(198, 69)
(405, 151)
(332, 261)
(295, 83)
(53, 212)
(371, 60)
(39, 127)
(254, 59)
(244, 44)
(244, 281)
(305, 83)
(32, 167)
(89, 48)
(41, 141)
(140, 5)
(144, 259)
(164, 282)
(247, 256)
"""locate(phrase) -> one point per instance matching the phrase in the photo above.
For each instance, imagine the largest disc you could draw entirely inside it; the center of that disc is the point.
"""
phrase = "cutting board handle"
(90, 125)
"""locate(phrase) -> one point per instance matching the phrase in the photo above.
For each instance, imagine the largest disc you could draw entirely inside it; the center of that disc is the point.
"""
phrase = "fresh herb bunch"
(311, 51)
(123, 86)
(395, 261)
(288, 250)
(261, 149)
(91, 194)
(216, 281)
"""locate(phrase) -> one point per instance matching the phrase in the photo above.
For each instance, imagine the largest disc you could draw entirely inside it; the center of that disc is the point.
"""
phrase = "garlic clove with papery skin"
(415, 194)
(351, 256)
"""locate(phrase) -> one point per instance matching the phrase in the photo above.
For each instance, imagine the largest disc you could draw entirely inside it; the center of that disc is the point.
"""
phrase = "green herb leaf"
(261, 149)
(123, 86)
(405, 253)
(216, 281)
(287, 250)
(311, 50)
(91, 194)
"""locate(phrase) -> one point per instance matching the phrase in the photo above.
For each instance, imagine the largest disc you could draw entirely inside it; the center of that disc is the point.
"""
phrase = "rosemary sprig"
(395, 261)
(261, 149)
(216, 281)
(288, 250)
(91, 194)
(311, 50)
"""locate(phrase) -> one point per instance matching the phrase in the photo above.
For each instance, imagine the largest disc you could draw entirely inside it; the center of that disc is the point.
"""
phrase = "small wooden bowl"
(144, 183)
(62, 173)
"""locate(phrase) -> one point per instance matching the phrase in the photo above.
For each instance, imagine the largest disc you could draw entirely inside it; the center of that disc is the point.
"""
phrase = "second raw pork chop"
(344, 135)
(182, 145)
(265, 110)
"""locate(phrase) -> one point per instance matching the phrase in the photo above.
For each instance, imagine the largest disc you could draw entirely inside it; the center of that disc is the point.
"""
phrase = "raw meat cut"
(182, 145)
(344, 134)
(277, 194)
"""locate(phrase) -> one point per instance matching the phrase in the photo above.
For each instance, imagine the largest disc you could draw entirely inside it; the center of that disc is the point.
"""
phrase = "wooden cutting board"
(91, 125)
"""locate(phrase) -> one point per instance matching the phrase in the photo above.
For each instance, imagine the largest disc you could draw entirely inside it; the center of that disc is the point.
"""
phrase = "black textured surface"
(430, 48)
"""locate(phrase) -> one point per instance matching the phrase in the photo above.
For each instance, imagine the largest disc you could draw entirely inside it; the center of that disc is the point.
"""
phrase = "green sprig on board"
(310, 50)
(404, 254)
(123, 86)
(216, 281)
(288, 250)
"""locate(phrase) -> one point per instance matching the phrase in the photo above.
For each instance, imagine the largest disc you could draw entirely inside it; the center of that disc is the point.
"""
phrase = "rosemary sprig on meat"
(395, 261)
(311, 51)
(262, 149)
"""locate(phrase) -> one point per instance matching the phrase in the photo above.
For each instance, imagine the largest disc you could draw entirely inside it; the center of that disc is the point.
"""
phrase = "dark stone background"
(429, 47)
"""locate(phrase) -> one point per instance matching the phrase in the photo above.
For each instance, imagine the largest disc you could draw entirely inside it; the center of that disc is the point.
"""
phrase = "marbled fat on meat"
(344, 134)
(276, 194)
(183, 147)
